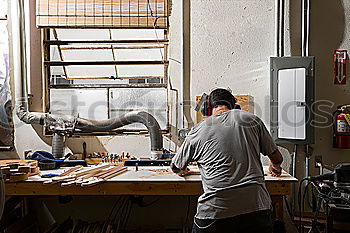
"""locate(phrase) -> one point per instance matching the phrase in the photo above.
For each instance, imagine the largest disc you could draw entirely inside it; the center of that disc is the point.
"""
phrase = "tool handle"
(113, 170)
(68, 183)
(91, 183)
(104, 172)
(73, 169)
(99, 168)
(116, 173)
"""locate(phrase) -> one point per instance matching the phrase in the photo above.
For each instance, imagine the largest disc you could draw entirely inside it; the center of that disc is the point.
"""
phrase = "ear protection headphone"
(206, 107)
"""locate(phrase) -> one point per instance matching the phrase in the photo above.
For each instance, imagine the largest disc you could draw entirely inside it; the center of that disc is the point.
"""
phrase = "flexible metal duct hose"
(2, 194)
(132, 117)
(58, 145)
(20, 67)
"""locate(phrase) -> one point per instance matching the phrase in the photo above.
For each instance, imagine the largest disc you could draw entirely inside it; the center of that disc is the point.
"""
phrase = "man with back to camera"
(227, 147)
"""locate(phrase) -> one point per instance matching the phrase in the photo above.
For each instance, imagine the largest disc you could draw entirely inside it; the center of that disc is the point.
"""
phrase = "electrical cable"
(304, 196)
(118, 214)
(128, 214)
(288, 209)
(117, 219)
(327, 198)
(109, 219)
(299, 201)
(113, 208)
(125, 214)
(318, 208)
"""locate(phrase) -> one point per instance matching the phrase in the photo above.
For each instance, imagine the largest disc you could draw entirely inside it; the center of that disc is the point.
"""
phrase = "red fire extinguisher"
(341, 135)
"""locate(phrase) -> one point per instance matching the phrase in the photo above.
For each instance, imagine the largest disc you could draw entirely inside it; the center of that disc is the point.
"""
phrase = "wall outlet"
(318, 161)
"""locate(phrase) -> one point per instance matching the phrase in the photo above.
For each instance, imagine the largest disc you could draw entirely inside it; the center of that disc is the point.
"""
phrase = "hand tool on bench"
(86, 177)
(114, 172)
(69, 171)
(79, 174)
(90, 177)
(66, 173)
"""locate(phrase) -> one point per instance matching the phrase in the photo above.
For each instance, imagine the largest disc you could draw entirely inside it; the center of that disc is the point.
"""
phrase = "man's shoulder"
(244, 117)
(242, 113)
(238, 116)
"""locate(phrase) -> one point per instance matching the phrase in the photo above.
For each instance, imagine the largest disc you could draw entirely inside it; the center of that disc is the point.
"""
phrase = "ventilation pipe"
(62, 125)
(58, 145)
(132, 117)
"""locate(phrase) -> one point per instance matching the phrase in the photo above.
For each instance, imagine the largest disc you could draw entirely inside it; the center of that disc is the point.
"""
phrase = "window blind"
(103, 13)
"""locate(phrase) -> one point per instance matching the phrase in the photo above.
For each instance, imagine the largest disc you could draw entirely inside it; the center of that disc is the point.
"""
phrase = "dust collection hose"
(58, 145)
(131, 117)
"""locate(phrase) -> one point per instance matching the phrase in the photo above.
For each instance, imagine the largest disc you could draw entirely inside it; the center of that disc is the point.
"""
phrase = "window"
(100, 70)
(6, 124)
(103, 13)
(3, 43)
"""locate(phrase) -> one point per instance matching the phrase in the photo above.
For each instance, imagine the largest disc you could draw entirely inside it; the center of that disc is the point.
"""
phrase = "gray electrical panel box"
(292, 97)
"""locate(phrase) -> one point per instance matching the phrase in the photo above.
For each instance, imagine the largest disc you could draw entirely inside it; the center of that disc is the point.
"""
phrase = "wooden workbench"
(146, 181)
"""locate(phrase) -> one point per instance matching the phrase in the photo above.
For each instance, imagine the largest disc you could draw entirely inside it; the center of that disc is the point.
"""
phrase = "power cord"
(300, 204)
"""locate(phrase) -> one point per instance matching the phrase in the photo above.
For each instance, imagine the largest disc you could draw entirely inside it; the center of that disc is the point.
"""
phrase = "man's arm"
(182, 158)
(177, 170)
(269, 148)
(276, 160)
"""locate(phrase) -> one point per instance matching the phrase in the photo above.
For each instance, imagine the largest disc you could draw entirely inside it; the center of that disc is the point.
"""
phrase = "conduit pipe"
(305, 31)
(280, 27)
(58, 122)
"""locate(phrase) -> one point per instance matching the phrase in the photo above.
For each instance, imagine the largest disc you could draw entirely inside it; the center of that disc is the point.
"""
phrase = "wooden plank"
(277, 188)
(245, 101)
(18, 169)
(106, 188)
(22, 162)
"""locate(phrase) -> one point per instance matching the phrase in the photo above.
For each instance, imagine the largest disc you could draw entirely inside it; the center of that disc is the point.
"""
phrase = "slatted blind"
(103, 13)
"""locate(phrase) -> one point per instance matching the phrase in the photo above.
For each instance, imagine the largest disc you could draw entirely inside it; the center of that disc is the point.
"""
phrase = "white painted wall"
(231, 45)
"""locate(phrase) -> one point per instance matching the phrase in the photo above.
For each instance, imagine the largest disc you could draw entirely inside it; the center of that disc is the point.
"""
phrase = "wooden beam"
(168, 188)
(245, 101)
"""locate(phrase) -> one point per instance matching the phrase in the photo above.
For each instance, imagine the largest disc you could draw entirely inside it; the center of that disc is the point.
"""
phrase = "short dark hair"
(222, 97)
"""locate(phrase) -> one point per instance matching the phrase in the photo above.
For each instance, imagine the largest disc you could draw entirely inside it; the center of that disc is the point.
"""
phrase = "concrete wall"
(230, 44)
(329, 31)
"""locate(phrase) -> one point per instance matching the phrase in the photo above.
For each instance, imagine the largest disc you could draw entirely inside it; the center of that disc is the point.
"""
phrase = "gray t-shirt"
(227, 149)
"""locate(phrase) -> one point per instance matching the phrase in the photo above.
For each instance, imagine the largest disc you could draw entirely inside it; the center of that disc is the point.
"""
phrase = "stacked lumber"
(16, 170)
(87, 177)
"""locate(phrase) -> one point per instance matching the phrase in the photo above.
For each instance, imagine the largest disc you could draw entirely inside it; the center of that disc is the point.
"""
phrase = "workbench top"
(146, 181)
(160, 174)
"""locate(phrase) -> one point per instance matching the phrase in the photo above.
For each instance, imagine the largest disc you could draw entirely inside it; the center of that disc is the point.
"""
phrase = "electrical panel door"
(291, 103)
